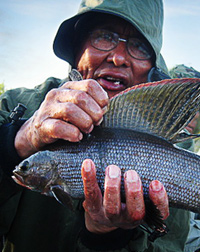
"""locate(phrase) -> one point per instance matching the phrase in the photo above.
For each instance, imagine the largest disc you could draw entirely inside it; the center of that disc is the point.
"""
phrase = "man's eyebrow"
(112, 27)
(105, 26)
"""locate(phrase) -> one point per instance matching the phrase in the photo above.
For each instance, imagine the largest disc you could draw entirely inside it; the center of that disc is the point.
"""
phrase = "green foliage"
(2, 88)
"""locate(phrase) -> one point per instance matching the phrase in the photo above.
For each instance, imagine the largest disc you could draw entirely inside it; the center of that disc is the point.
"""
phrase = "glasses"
(105, 40)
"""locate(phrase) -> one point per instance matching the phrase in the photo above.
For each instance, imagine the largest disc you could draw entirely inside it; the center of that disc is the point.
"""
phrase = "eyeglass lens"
(106, 40)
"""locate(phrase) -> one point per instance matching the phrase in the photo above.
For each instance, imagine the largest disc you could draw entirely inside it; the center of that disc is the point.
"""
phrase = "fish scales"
(152, 157)
(138, 132)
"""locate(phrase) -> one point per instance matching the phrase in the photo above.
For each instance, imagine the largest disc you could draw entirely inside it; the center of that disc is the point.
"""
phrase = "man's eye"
(107, 37)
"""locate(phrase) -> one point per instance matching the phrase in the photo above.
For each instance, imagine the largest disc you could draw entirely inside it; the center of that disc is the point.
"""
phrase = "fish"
(139, 131)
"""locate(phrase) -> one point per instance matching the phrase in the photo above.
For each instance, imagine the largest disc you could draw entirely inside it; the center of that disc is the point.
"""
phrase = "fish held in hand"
(138, 132)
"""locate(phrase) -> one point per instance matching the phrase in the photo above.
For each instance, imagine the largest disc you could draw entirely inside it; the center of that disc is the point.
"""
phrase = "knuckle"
(69, 109)
(67, 84)
(90, 85)
(112, 202)
(51, 94)
(95, 217)
(54, 129)
(93, 86)
(137, 215)
(59, 129)
(103, 99)
(79, 118)
(80, 96)
(112, 210)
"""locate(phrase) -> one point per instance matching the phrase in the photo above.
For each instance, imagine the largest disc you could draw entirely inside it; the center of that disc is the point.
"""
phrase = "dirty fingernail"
(99, 122)
(113, 171)
(156, 185)
(105, 109)
(132, 176)
(90, 129)
(87, 166)
(80, 137)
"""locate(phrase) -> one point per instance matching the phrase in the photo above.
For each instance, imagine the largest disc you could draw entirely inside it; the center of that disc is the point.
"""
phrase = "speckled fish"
(138, 132)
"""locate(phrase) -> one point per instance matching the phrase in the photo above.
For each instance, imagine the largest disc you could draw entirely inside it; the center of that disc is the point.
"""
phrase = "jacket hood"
(145, 15)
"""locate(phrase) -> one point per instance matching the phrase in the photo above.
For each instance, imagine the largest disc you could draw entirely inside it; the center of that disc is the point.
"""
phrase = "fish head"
(36, 172)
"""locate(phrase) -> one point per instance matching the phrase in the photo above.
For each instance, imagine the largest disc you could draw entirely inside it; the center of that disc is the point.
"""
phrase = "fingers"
(93, 196)
(69, 112)
(82, 104)
(134, 196)
(104, 214)
(92, 88)
(67, 98)
(58, 129)
(65, 112)
(95, 219)
(135, 205)
(112, 199)
(158, 195)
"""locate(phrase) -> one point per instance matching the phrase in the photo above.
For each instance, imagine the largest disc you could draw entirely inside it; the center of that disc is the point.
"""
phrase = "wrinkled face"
(115, 70)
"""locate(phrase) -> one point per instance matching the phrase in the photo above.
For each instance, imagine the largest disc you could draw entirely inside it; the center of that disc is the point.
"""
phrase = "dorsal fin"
(160, 108)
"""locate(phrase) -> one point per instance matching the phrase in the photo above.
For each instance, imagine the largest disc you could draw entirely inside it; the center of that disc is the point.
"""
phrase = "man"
(113, 46)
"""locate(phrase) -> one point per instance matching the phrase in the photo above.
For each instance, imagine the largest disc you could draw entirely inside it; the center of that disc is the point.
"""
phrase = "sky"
(28, 28)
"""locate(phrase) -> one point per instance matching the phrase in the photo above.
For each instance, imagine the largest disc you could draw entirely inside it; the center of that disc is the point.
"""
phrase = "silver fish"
(138, 132)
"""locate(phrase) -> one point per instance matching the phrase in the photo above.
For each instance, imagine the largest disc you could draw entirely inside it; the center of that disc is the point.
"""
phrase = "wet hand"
(107, 213)
(65, 113)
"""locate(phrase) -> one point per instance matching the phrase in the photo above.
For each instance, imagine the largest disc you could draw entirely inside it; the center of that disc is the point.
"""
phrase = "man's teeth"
(115, 81)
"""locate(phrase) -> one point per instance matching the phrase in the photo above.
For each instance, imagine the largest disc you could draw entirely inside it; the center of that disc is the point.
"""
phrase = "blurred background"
(27, 30)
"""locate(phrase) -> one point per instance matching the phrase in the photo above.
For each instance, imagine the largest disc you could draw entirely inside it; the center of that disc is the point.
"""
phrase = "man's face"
(115, 70)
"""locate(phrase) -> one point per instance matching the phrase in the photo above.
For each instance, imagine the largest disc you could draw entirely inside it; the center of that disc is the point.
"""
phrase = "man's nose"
(119, 55)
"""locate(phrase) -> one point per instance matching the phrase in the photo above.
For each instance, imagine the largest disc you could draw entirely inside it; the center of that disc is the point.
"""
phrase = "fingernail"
(87, 166)
(156, 186)
(99, 122)
(113, 171)
(90, 129)
(80, 137)
(133, 177)
(105, 109)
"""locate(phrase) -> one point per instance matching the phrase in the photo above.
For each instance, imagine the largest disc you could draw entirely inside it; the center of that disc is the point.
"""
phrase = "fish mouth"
(112, 83)
(19, 180)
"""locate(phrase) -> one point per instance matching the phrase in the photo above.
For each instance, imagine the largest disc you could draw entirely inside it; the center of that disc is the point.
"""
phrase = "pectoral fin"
(61, 196)
(154, 221)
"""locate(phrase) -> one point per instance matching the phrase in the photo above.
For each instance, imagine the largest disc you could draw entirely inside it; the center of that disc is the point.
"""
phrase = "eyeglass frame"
(148, 49)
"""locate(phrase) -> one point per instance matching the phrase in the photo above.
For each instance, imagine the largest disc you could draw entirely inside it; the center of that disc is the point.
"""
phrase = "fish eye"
(24, 167)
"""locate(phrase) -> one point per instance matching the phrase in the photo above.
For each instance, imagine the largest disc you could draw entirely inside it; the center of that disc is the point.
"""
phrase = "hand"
(65, 112)
(104, 214)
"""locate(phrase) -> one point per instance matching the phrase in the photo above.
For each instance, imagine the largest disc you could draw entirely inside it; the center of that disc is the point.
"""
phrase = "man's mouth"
(114, 80)
(112, 83)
